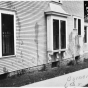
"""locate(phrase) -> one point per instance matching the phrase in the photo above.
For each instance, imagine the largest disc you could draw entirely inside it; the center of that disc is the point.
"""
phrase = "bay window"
(56, 28)
(56, 33)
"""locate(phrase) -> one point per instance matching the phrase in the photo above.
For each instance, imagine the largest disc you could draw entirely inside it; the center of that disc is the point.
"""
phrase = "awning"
(55, 9)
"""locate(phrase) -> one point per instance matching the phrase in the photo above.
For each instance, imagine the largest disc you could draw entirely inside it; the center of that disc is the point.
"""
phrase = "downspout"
(36, 39)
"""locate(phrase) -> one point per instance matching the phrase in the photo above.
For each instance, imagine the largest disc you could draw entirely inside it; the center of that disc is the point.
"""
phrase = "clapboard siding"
(30, 17)
(28, 13)
(74, 8)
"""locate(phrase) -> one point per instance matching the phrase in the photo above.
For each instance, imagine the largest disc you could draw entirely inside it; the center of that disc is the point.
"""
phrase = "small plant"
(43, 68)
(74, 46)
(5, 70)
(71, 63)
(20, 72)
(71, 46)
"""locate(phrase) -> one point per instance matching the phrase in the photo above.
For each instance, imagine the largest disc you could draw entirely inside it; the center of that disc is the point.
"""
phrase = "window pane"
(75, 22)
(55, 34)
(7, 34)
(63, 34)
(79, 27)
(85, 34)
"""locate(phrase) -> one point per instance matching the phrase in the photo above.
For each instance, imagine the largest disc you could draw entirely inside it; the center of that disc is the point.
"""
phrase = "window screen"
(7, 34)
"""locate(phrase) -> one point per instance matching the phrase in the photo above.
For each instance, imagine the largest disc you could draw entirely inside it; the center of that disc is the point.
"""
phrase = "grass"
(28, 78)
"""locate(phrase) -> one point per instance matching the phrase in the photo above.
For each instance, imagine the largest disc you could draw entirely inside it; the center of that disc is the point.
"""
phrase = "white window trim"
(50, 32)
(77, 23)
(12, 13)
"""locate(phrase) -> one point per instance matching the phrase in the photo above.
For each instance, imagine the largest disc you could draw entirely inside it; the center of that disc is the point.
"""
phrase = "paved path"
(78, 78)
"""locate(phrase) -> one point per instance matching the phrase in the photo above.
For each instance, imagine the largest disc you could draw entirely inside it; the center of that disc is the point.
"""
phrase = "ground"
(28, 78)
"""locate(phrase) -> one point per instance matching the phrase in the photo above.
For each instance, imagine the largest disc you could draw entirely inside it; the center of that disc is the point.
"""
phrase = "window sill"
(60, 50)
(8, 56)
(85, 43)
(75, 29)
(79, 35)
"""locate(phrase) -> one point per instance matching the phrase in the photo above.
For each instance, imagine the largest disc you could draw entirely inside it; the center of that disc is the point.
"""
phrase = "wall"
(74, 8)
(29, 17)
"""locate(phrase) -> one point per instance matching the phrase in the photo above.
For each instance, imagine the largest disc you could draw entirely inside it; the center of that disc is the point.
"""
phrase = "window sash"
(55, 34)
(60, 36)
(85, 34)
(75, 23)
(63, 34)
(79, 26)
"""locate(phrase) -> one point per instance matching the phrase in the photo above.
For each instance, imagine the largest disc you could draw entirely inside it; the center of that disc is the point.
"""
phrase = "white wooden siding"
(28, 13)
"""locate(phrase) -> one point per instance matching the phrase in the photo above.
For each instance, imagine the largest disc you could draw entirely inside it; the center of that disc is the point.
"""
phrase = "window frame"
(11, 12)
(77, 18)
(50, 33)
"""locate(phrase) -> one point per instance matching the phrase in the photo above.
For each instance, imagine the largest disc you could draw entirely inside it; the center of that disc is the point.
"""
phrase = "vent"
(54, 64)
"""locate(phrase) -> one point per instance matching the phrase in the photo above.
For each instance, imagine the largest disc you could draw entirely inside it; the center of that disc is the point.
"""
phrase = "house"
(35, 34)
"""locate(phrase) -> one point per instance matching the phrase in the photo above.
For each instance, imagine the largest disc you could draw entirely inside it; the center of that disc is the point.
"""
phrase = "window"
(7, 34)
(85, 34)
(63, 34)
(55, 34)
(77, 25)
(7, 38)
(59, 34)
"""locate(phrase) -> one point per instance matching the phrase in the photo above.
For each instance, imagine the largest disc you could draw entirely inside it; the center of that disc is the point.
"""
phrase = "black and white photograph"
(44, 43)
